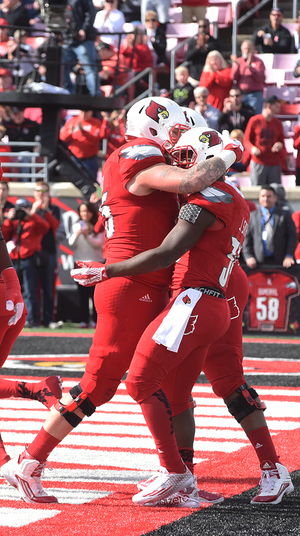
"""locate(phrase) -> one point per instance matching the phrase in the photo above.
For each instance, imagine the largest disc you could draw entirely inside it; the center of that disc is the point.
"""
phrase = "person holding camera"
(87, 244)
(79, 45)
(48, 255)
(23, 233)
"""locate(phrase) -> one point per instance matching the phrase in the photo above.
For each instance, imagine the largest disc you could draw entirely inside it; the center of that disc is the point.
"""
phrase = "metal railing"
(25, 162)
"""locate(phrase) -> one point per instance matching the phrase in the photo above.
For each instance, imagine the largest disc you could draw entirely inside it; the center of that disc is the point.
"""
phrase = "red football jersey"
(211, 265)
(136, 223)
(270, 298)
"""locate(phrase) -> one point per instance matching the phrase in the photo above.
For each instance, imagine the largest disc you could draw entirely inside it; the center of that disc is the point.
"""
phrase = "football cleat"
(144, 483)
(24, 474)
(275, 482)
(189, 498)
(163, 486)
(46, 391)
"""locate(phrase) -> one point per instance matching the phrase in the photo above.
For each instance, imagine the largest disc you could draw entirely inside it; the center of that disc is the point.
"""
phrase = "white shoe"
(190, 497)
(275, 482)
(163, 486)
(25, 476)
(144, 483)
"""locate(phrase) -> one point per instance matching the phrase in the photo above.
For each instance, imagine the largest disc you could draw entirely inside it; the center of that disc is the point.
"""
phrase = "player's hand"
(88, 273)
(233, 145)
(13, 297)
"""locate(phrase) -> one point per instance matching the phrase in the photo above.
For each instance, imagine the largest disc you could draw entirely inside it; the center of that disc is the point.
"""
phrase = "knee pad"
(80, 400)
(244, 404)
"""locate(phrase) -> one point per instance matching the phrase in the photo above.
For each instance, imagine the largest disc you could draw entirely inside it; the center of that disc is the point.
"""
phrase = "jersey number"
(233, 256)
(267, 309)
(109, 219)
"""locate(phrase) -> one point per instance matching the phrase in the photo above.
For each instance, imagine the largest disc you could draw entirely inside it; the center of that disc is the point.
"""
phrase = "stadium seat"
(287, 94)
(285, 61)
(175, 14)
(274, 77)
(268, 60)
(181, 30)
(289, 111)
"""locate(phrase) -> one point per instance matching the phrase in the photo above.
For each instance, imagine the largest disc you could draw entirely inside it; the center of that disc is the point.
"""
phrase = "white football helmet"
(196, 145)
(193, 118)
(158, 119)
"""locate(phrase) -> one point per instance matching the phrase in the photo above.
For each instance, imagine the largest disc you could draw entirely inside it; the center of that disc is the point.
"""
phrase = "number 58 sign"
(270, 294)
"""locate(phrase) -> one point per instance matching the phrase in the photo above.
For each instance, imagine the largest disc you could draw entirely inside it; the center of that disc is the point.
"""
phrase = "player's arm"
(183, 237)
(187, 181)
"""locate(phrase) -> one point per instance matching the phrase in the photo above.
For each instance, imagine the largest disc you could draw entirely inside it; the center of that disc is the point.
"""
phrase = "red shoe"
(46, 391)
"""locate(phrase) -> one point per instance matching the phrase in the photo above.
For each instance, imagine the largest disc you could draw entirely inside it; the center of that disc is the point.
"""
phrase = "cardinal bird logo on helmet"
(210, 138)
(156, 111)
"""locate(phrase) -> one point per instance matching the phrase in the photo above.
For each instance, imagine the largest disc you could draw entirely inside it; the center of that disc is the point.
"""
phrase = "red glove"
(13, 296)
(233, 145)
(88, 273)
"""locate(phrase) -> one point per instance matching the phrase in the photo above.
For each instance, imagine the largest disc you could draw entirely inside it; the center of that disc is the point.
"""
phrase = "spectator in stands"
(193, 10)
(160, 6)
(15, 14)
(112, 64)
(82, 134)
(19, 58)
(271, 237)
(156, 38)
(138, 56)
(4, 36)
(131, 10)
(234, 114)
(209, 112)
(6, 80)
(281, 200)
(239, 167)
(79, 45)
(216, 76)
(273, 38)
(297, 147)
(113, 130)
(48, 255)
(264, 139)
(87, 246)
(5, 205)
(21, 129)
(198, 48)
(248, 74)
(109, 20)
(23, 233)
(183, 92)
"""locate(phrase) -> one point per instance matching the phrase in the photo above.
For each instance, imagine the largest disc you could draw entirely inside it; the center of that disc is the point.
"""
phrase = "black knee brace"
(81, 401)
(245, 403)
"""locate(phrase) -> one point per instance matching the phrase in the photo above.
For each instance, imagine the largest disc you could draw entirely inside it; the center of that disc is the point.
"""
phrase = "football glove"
(233, 145)
(89, 273)
(13, 297)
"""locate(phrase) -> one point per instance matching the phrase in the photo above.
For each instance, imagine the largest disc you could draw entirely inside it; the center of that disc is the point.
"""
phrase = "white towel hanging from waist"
(172, 328)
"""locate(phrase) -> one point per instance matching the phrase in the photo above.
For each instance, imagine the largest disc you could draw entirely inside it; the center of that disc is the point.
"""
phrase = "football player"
(223, 365)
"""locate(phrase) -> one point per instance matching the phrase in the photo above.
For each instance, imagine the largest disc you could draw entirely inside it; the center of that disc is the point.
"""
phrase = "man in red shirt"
(248, 74)
(82, 134)
(264, 139)
(23, 233)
